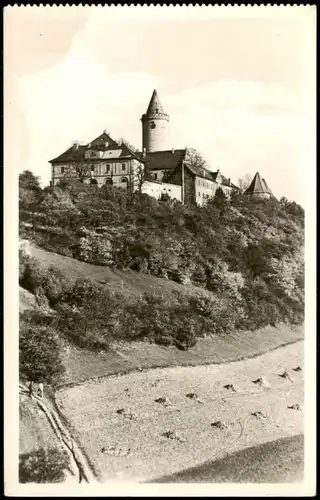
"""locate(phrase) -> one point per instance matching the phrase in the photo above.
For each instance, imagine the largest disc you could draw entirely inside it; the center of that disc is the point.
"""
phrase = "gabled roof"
(208, 174)
(73, 154)
(102, 139)
(155, 105)
(165, 160)
(258, 186)
(76, 153)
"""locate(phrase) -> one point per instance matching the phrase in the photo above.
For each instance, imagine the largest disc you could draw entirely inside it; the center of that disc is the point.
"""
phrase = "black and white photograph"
(160, 205)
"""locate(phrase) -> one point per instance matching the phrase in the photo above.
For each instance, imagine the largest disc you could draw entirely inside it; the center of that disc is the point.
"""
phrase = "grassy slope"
(82, 365)
(128, 281)
(34, 430)
(277, 461)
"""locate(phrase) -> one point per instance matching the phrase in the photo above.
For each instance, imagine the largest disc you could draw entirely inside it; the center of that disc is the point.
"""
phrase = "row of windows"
(206, 184)
(104, 169)
(204, 196)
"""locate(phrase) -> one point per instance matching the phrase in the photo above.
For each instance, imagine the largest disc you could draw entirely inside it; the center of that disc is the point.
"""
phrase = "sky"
(237, 83)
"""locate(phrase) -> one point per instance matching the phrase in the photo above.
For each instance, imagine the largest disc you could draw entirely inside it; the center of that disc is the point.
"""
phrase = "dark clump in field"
(261, 381)
(163, 401)
(116, 451)
(194, 397)
(173, 436)
(259, 414)
(231, 387)
(126, 413)
(294, 407)
(219, 425)
(286, 376)
(297, 369)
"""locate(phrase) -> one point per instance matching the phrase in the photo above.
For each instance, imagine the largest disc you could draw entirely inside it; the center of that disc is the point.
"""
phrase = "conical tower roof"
(155, 105)
(258, 186)
(267, 187)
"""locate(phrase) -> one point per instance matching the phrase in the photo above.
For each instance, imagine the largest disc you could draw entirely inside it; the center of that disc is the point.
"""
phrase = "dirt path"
(78, 463)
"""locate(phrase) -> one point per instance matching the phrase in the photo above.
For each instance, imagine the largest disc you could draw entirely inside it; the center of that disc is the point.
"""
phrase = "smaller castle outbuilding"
(259, 188)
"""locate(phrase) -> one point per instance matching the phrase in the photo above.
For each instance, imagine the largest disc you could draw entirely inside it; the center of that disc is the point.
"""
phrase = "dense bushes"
(43, 466)
(246, 254)
(39, 351)
(91, 316)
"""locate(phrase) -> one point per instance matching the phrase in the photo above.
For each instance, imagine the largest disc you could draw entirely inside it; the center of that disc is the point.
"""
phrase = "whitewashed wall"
(155, 189)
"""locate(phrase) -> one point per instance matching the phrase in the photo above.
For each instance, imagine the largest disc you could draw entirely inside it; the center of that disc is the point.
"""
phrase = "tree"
(43, 466)
(244, 182)
(140, 177)
(39, 354)
(81, 168)
(30, 197)
(220, 200)
(194, 159)
(130, 146)
(29, 181)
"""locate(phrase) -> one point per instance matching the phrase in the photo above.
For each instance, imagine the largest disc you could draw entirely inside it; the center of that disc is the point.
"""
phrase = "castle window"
(124, 183)
(108, 169)
(62, 170)
(156, 176)
(199, 194)
(123, 166)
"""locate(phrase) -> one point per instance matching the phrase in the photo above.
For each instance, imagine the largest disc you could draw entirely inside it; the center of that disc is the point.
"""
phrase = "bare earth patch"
(34, 429)
(250, 417)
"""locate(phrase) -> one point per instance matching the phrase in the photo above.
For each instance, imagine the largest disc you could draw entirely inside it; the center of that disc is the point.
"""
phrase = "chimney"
(173, 151)
(229, 181)
(144, 152)
(89, 145)
(75, 145)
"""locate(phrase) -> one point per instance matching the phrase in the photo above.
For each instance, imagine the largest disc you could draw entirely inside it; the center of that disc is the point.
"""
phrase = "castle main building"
(166, 171)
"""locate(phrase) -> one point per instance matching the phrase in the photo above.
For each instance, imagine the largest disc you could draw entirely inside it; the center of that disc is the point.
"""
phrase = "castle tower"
(259, 188)
(155, 126)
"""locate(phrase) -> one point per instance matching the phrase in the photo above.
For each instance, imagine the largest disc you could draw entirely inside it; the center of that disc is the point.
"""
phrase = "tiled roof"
(266, 186)
(166, 160)
(73, 154)
(208, 174)
(155, 105)
(257, 186)
(102, 139)
(76, 152)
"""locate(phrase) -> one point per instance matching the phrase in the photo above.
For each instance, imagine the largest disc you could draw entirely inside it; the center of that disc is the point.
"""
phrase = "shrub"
(32, 274)
(39, 353)
(83, 328)
(94, 248)
(55, 285)
(43, 466)
(185, 337)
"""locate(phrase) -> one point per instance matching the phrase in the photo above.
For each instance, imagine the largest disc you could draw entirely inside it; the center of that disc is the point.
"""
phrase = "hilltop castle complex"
(156, 170)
